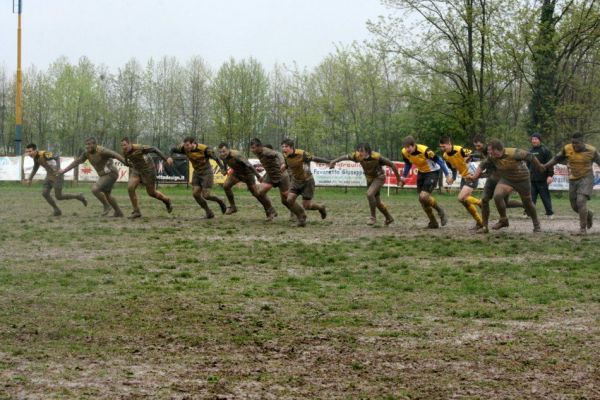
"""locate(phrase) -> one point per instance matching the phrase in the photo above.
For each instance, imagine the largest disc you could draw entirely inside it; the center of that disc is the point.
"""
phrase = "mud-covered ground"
(175, 306)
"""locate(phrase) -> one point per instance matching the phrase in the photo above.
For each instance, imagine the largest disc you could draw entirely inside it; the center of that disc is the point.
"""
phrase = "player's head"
(31, 150)
(479, 142)
(189, 143)
(126, 144)
(536, 139)
(90, 144)
(223, 150)
(495, 148)
(364, 149)
(446, 144)
(409, 144)
(256, 146)
(577, 141)
(287, 146)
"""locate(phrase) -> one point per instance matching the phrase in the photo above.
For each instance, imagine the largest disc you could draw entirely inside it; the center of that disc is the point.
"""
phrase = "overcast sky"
(113, 31)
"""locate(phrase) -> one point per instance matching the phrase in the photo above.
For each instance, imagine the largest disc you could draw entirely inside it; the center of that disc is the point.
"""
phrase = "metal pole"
(18, 102)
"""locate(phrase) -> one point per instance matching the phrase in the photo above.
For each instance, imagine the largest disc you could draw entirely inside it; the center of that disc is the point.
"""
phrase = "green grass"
(177, 306)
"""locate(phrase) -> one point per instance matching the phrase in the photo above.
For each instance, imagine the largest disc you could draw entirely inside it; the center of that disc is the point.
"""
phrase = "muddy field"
(175, 306)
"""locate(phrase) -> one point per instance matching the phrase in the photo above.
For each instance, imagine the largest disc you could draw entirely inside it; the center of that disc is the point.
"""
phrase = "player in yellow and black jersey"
(429, 166)
(457, 158)
(199, 155)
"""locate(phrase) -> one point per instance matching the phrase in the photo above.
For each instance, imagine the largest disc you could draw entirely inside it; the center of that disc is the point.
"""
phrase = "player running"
(429, 166)
(142, 171)
(457, 158)
(514, 175)
(242, 171)
(272, 162)
(51, 163)
(202, 180)
(492, 178)
(372, 164)
(580, 158)
(303, 183)
(101, 159)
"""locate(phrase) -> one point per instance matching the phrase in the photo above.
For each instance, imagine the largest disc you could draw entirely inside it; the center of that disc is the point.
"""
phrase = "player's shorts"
(471, 184)
(283, 183)
(305, 189)
(375, 184)
(54, 183)
(204, 179)
(582, 186)
(247, 179)
(148, 178)
(522, 187)
(106, 182)
(427, 181)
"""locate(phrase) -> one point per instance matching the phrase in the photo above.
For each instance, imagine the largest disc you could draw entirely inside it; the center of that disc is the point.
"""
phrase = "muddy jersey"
(457, 159)
(579, 162)
(271, 161)
(101, 159)
(511, 166)
(199, 157)
(298, 164)
(239, 164)
(372, 165)
(140, 160)
(47, 160)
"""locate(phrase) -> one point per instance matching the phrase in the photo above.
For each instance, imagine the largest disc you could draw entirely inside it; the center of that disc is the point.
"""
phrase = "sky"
(111, 32)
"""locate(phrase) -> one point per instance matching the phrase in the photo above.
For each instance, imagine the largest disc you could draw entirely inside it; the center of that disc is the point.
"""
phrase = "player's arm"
(560, 157)
(405, 172)
(208, 153)
(152, 149)
(450, 179)
(113, 154)
(308, 158)
(479, 171)
(249, 165)
(392, 166)
(175, 150)
(332, 163)
(439, 161)
(79, 160)
(36, 166)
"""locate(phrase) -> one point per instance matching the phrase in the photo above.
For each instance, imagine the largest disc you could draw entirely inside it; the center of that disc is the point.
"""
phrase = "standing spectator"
(541, 181)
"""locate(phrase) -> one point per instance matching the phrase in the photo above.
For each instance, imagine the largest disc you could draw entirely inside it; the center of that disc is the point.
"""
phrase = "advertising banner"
(10, 168)
(87, 173)
(177, 173)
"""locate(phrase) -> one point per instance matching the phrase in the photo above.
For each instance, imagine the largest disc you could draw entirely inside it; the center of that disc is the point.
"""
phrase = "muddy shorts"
(305, 189)
(54, 183)
(204, 179)
(582, 186)
(375, 184)
(147, 178)
(283, 184)
(522, 187)
(106, 182)
(471, 184)
(247, 179)
(427, 181)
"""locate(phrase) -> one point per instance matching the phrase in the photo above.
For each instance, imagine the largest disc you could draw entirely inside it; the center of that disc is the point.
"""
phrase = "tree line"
(505, 68)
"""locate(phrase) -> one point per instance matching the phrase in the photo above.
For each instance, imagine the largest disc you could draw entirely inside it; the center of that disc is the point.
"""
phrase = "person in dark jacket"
(541, 181)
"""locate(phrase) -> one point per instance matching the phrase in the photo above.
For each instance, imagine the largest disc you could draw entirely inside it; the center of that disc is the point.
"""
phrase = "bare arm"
(36, 166)
(152, 149)
(391, 166)
(75, 163)
(113, 154)
(337, 160)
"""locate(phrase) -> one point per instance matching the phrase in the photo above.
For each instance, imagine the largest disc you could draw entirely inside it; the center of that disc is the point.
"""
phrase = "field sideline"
(174, 306)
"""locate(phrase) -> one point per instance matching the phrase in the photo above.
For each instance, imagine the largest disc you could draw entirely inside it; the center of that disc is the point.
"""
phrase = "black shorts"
(147, 178)
(283, 183)
(471, 184)
(203, 179)
(427, 181)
